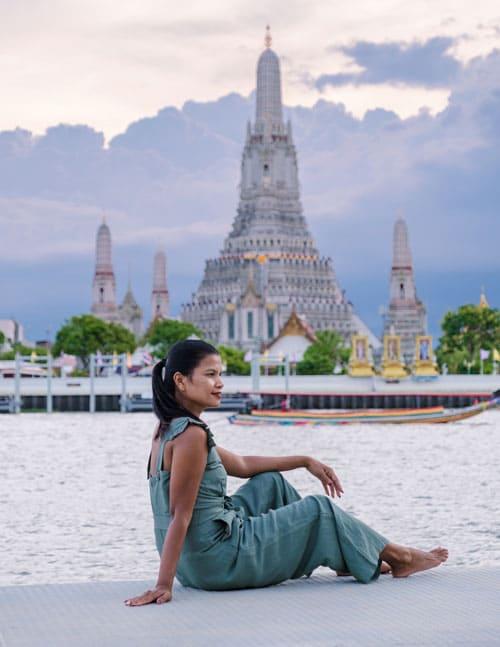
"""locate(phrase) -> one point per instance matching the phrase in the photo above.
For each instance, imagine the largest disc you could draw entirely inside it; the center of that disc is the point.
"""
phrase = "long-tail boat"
(429, 415)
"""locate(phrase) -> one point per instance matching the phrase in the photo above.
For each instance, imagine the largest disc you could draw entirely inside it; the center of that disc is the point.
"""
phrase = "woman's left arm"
(247, 466)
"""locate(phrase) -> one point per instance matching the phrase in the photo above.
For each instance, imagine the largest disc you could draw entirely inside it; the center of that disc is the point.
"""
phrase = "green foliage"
(165, 332)
(23, 350)
(86, 334)
(324, 354)
(465, 332)
(233, 359)
(2, 338)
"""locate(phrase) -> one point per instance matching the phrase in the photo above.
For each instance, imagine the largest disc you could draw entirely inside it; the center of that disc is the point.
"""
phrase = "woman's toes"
(440, 553)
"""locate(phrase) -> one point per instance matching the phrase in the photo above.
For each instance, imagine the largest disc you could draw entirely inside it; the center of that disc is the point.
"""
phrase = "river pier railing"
(115, 392)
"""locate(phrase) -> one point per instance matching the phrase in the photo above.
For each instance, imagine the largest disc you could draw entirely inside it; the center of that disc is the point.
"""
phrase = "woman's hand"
(327, 476)
(160, 595)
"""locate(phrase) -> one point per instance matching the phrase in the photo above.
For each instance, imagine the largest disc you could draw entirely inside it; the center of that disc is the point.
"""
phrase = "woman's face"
(204, 387)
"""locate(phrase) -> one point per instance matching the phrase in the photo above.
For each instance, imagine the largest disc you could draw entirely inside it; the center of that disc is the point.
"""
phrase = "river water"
(74, 500)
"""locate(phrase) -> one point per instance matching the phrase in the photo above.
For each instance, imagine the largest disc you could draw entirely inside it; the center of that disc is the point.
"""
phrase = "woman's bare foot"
(407, 561)
(384, 569)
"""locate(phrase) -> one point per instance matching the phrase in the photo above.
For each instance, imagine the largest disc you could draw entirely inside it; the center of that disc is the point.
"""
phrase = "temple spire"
(268, 41)
(103, 249)
(159, 294)
(269, 110)
(401, 249)
(406, 316)
(104, 286)
(402, 281)
(483, 301)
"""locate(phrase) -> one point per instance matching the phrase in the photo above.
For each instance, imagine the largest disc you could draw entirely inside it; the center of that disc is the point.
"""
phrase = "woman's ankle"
(396, 554)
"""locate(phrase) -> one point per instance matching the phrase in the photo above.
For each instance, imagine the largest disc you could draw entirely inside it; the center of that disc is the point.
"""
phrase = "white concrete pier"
(446, 606)
(298, 384)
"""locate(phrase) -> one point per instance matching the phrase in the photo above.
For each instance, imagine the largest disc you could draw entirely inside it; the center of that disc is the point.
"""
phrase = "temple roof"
(251, 297)
(296, 326)
(129, 301)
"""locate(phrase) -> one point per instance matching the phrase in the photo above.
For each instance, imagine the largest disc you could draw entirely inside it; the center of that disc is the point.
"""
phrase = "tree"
(164, 332)
(324, 354)
(465, 332)
(86, 334)
(2, 338)
(234, 360)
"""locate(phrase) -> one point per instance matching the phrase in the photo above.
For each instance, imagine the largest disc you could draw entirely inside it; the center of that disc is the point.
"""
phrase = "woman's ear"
(179, 381)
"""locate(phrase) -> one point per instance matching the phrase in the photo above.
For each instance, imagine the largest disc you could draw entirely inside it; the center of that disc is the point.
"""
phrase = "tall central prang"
(269, 264)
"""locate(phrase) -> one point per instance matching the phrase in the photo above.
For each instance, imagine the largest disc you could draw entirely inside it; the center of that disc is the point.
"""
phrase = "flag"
(484, 354)
(496, 355)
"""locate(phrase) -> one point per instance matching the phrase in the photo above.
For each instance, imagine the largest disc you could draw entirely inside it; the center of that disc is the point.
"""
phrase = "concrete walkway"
(448, 606)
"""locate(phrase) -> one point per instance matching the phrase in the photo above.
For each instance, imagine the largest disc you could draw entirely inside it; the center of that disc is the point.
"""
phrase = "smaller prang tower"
(131, 313)
(406, 315)
(159, 294)
(104, 284)
(104, 304)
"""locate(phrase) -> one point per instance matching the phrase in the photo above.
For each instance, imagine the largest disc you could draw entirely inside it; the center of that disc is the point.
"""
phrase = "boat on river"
(429, 415)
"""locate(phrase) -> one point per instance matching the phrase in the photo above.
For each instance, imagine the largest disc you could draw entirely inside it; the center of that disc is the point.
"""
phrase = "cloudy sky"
(82, 61)
(140, 115)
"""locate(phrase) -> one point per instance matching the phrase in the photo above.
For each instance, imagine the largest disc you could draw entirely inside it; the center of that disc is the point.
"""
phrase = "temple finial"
(483, 301)
(268, 39)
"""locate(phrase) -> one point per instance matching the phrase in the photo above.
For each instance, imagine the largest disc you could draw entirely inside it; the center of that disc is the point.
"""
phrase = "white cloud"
(84, 62)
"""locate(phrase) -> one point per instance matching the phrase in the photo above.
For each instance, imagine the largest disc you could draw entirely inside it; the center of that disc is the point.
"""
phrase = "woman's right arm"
(189, 458)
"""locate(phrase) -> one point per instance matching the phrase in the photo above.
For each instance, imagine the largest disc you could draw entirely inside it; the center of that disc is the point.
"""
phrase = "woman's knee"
(267, 477)
(322, 503)
(271, 479)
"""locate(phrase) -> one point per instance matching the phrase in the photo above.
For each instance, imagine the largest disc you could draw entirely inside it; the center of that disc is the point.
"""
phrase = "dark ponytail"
(183, 357)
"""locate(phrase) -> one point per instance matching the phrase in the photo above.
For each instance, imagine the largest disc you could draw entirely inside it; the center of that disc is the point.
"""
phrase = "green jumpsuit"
(264, 534)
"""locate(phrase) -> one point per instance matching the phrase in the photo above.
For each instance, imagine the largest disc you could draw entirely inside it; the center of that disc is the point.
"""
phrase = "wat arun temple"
(269, 279)
(269, 266)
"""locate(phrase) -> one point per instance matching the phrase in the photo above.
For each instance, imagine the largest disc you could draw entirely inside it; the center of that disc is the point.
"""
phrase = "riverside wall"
(308, 392)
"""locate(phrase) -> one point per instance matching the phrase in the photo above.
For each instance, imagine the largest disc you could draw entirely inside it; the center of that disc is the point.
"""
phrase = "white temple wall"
(292, 345)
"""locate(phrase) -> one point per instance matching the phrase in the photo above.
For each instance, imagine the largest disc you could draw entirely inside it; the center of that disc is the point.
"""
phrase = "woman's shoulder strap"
(178, 425)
